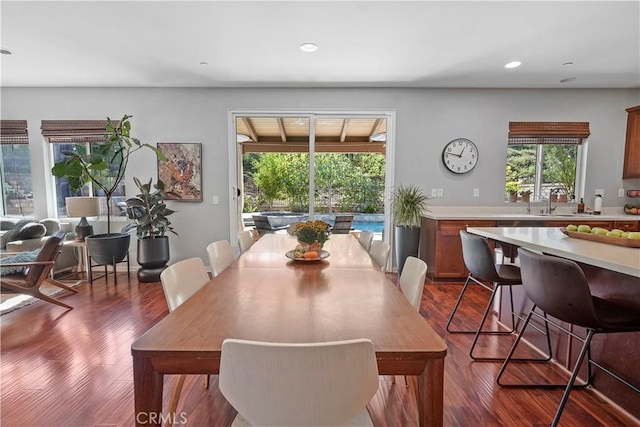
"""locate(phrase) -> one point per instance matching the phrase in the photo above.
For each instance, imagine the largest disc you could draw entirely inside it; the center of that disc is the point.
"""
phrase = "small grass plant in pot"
(408, 204)
(149, 212)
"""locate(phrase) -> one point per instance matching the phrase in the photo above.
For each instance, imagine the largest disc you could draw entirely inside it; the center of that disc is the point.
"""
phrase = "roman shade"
(74, 131)
(548, 132)
(13, 132)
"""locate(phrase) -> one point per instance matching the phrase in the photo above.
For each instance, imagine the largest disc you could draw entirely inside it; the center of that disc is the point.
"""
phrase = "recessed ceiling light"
(568, 79)
(308, 47)
(513, 64)
(5, 52)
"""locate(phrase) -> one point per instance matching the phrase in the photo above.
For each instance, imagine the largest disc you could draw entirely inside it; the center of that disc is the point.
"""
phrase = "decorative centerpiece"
(311, 236)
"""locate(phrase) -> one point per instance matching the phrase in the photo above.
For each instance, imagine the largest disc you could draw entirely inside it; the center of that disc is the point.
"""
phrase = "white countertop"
(552, 241)
(562, 212)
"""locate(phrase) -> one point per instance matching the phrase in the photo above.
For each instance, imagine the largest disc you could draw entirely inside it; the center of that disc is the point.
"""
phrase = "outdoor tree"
(560, 166)
(270, 171)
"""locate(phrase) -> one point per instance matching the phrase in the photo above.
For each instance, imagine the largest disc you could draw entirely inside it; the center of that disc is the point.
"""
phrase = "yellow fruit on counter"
(583, 228)
(599, 230)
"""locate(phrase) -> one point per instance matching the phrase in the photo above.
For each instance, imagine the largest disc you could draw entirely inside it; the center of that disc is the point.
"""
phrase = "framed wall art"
(182, 172)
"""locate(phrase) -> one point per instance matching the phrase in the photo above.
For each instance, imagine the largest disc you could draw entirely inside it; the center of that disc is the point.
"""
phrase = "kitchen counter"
(551, 240)
(562, 212)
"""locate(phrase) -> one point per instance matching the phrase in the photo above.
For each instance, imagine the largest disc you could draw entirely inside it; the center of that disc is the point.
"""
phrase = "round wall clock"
(460, 155)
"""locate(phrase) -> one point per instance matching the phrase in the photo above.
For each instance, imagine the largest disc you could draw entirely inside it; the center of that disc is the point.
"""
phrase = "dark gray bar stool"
(479, 260)
(558, 287)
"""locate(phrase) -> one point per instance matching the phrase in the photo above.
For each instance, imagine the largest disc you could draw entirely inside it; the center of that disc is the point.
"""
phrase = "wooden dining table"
(265, 296)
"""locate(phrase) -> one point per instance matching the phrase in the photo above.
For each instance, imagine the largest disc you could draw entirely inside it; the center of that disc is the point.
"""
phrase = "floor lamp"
(82, 207)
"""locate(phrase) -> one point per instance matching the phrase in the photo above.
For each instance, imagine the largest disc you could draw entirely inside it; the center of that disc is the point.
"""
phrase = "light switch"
(476, 192)
(440, 192)
(620, 192)
(434, 192)
(215, 200)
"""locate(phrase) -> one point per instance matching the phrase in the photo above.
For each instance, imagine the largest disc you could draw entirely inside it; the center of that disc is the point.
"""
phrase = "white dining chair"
(380, 253)
(179, 282)
(365, 239)
(245, 240)
(220, 256)
(301, 384)
(412, 280)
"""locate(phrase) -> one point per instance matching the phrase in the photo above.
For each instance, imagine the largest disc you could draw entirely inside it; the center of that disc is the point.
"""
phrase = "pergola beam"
(250, 128)
(283, 134)
(321, 147)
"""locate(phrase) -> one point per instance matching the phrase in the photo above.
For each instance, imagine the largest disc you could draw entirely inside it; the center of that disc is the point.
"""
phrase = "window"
(78, 136)
(546, 158)
(15, 169)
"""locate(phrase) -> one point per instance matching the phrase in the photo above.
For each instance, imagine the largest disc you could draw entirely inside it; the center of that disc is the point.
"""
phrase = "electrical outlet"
(215, 200)
(476, 192)
(434, 192)
(620, 192)
(599, 191)
(440, 192)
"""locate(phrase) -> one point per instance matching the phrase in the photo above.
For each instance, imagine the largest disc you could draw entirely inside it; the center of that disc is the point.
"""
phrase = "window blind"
(74, 131)
(548, 132)
(13, 132)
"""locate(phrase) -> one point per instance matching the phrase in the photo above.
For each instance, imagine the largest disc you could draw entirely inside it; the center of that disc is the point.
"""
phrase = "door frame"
(235, 155)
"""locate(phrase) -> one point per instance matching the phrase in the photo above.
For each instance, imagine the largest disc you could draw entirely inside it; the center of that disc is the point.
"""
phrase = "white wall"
(426, 120)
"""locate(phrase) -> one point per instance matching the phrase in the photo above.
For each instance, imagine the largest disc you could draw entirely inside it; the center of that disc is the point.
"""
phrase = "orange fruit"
(310, 255)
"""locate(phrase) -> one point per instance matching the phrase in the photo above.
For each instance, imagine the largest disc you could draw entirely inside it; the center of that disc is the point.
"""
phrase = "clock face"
(460, 155)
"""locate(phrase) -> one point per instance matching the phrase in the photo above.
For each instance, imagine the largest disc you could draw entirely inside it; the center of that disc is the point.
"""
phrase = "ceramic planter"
(153, 256)
(407, 240)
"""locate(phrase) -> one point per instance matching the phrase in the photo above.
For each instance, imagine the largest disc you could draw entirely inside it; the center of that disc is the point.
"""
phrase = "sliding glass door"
(310, 165)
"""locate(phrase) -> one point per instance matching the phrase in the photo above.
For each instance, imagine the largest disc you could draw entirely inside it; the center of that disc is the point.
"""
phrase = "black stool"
(479, 261)
(558, 287)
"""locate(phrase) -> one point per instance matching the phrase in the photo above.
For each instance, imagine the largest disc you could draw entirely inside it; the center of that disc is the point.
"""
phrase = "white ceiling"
(361, 44)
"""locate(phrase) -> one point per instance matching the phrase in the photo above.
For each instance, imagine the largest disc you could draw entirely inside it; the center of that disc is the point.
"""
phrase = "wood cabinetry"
(627, 225)
(631, 167)
(441, 249)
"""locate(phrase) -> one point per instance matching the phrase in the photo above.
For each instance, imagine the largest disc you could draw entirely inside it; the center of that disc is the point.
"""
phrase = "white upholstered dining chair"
(412, 280)
(365, 239)
(179, 282)
(245, 240)
(220, 256)
(380, 253)
(302, 384)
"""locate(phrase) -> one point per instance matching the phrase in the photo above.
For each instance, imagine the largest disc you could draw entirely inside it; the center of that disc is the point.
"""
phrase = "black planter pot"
(407, 244)
(153, 256)
(107, 249)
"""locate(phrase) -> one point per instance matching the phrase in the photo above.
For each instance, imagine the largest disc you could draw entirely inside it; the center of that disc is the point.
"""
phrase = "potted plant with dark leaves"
(408, 204)
(149, 212)
(105, 168)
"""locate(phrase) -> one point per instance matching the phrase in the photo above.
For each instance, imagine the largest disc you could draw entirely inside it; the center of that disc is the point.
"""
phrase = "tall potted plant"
(105, 168)
(149, 212)
(408, 204)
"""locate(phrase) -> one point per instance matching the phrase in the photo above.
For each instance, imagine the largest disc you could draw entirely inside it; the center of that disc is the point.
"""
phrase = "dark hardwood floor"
(73, 368)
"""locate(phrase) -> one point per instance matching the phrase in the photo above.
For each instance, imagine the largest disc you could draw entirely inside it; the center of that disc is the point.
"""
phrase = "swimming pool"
(372, 226)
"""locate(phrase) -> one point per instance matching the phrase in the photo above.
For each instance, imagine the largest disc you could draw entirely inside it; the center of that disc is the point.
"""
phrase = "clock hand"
(460, 155)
